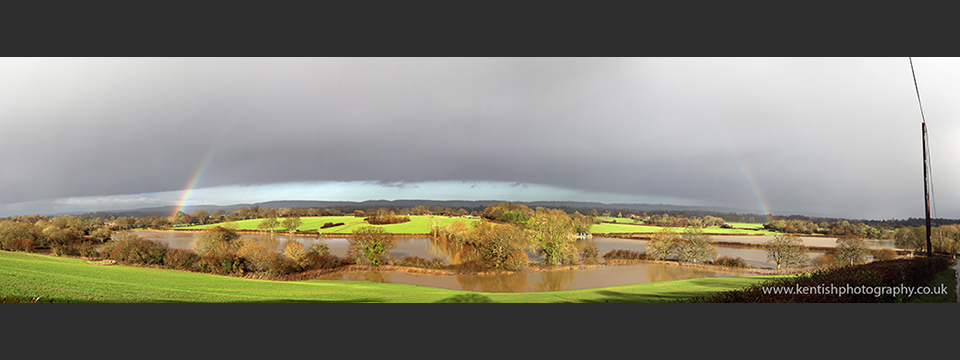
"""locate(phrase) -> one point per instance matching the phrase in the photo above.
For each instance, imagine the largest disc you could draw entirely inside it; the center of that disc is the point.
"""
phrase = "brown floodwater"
(529, 281)
(522, 281)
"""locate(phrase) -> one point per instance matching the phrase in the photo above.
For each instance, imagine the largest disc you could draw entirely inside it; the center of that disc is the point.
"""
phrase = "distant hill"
(349, 206)
(478, 205)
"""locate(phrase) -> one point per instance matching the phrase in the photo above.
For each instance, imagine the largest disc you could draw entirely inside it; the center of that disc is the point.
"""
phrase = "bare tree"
(695, 247)
(787, 251)
(851, 250)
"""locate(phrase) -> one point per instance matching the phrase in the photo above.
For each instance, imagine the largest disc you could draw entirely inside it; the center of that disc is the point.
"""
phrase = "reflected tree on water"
(555, 280)
(495, 282)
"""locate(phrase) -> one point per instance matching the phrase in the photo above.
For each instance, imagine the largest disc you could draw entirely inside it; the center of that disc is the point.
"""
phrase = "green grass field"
(757, 226)
(629, 228)
(25, 276)
(418, 224)
(616, 219)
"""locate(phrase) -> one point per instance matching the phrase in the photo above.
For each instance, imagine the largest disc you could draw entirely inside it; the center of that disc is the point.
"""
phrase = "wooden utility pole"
(926, 191)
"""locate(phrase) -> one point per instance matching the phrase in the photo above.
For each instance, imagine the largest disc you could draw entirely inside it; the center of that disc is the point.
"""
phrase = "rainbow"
(192, 185)
(198, 173)
(761, 203)
(744, 170)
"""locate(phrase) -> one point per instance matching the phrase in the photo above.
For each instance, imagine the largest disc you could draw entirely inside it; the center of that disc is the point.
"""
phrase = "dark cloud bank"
(831, 136)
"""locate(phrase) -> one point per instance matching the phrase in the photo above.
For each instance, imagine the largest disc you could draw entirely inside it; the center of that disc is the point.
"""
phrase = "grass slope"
(24, 276)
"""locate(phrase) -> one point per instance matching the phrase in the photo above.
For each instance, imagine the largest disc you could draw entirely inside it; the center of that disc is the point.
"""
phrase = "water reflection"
(664, 272)
(555, 280)
(498, 282)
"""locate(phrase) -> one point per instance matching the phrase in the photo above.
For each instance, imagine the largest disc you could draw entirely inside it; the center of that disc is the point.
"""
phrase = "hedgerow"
(911, 272)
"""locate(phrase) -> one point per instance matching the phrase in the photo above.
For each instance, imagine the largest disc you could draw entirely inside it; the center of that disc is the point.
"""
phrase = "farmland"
(420, 224)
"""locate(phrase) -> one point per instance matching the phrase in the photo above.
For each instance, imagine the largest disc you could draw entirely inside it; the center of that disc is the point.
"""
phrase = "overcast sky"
(829, 136)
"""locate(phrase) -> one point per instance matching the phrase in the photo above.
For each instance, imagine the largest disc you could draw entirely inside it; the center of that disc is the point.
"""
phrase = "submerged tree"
(851, 250)
(695, 247)
(555, 240)
(217, 239)
(787, 251)
(662, 244)
(495, 247)
(370, 243)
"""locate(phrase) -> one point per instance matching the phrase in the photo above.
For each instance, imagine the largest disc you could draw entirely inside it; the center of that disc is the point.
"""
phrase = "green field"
(629, 228)
(418, 224)
(746, 225)
(24, 276)
(615, 219)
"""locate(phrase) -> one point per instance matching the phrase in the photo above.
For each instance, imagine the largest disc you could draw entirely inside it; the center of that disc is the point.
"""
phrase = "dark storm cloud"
(834, 136)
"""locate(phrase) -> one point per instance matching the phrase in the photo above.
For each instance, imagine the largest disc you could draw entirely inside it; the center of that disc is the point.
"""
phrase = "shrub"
(137, 250)
(319, 248)
(885, 254)
(221, 264)
(330, 225)
(10, 230)
(731, 262)
(64, 237)
(219, 238)
(259, 258)
(18, 244)
(471, 266)
(590, 252)
(326, 261)
(896, 273)
(76, 247)
(88, 249)
(418, 262)
(294, 251)
(824, 262)
(181, 259)
(624, 255)
(383, 217)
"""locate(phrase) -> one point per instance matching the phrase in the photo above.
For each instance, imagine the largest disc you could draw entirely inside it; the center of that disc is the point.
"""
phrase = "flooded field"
(523, 281)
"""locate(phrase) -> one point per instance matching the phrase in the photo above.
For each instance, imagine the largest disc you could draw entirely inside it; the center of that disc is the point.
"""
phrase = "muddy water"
(538, 281)
(517, 282)
(807, 241)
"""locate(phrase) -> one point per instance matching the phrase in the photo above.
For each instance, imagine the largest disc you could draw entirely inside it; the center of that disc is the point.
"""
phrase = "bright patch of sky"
(328, 191)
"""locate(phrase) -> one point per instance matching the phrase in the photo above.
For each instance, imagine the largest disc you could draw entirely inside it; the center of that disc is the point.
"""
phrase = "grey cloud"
(835, 135)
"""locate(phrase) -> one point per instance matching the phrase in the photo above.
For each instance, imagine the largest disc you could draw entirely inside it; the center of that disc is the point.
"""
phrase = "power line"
(918, 90)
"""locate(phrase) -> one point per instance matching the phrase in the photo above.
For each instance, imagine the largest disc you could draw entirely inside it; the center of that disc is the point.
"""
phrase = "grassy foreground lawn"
(24, 275)
(418, 224)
